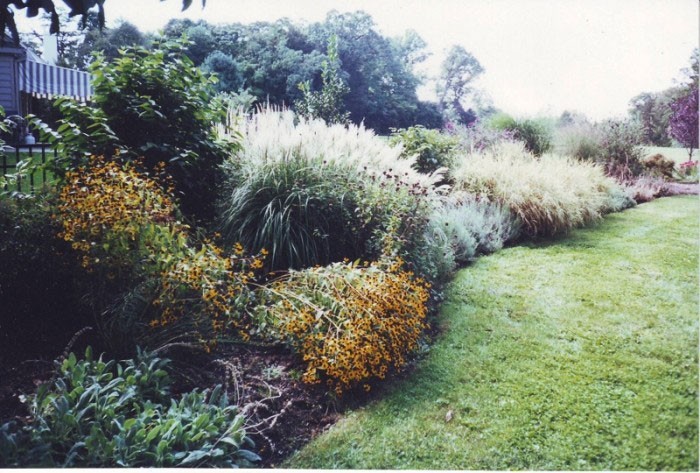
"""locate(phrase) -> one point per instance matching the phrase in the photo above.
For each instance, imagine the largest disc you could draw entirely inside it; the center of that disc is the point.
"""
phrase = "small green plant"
(432, 149)
(99, 413)
(533, 133)
(327, 103)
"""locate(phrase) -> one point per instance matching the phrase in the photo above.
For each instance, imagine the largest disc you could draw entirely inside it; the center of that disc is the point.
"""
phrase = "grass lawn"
(679, 155)
(579, 353)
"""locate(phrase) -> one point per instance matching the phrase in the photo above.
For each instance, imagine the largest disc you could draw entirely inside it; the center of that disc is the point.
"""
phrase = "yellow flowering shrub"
(350, 323)
(116, 215)
(124, 223)
(212, 289)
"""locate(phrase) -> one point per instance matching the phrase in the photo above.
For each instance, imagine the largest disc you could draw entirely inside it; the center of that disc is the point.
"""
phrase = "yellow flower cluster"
(350, 322)
(211, 289)
(105, 209)
(121, 219)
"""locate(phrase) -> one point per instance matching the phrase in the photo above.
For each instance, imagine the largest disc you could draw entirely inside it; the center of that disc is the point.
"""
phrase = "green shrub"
(534, 134)
(40, 282)
(620, 148)
(312, 193)
(107, 414)
(549, 195)
(658, 165)
(619, 197)
(151, 103)
(432, 149)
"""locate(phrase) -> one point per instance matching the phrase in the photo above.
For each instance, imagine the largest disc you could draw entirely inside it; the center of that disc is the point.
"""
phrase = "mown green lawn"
(580, 353)
(678, 155)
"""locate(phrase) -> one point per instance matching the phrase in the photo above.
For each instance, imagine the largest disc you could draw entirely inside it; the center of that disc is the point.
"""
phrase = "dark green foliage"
(652, 111)
(227, 70)
(39, 279)
(327, 103)
(154, 104)
(106, 414)
(535, 135)
(303, 214)
(432, 149)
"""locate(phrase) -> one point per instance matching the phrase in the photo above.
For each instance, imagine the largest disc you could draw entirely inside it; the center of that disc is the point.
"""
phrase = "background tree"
(326, 103)
(652, 112)
(32, 7)
(683, 124)
(227, 70)
(459, 69)
(381, 80)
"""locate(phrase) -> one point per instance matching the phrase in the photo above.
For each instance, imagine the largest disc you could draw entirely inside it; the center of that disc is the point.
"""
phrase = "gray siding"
(9, 95)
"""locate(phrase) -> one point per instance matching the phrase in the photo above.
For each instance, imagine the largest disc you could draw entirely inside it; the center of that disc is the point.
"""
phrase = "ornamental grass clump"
(350, 322)
(550, 195)
(314, 194)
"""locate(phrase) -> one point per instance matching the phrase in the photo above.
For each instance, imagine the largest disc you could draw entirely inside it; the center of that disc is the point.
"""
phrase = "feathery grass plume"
(274, 135)
(550, 194)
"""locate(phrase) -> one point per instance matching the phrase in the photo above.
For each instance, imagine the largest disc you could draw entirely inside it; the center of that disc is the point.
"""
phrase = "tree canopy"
(32, 8)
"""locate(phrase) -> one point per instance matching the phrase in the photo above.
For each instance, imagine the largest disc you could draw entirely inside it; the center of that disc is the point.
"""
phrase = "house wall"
(9, 93)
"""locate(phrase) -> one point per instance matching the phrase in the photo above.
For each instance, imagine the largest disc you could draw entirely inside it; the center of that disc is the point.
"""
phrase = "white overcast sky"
(540, 56)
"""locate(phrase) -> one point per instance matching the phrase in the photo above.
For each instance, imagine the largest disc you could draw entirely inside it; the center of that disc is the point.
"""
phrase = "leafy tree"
(227, 70)
(683, 124)
(459, 69)
(381, 81)
(326, 103)
(76, 7)
(202, 42)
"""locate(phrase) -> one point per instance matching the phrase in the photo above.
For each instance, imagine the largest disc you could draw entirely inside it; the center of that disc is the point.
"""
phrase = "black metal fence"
(36, 155)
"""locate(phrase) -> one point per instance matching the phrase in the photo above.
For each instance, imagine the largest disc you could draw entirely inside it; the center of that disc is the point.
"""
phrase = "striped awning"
(47, 81)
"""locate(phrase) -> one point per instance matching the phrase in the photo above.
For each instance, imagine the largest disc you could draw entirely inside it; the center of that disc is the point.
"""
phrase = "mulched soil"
(283, 413)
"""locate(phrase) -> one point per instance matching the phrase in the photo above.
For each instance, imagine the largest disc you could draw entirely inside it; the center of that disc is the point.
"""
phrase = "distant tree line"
(278, 62)
(654, 111)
